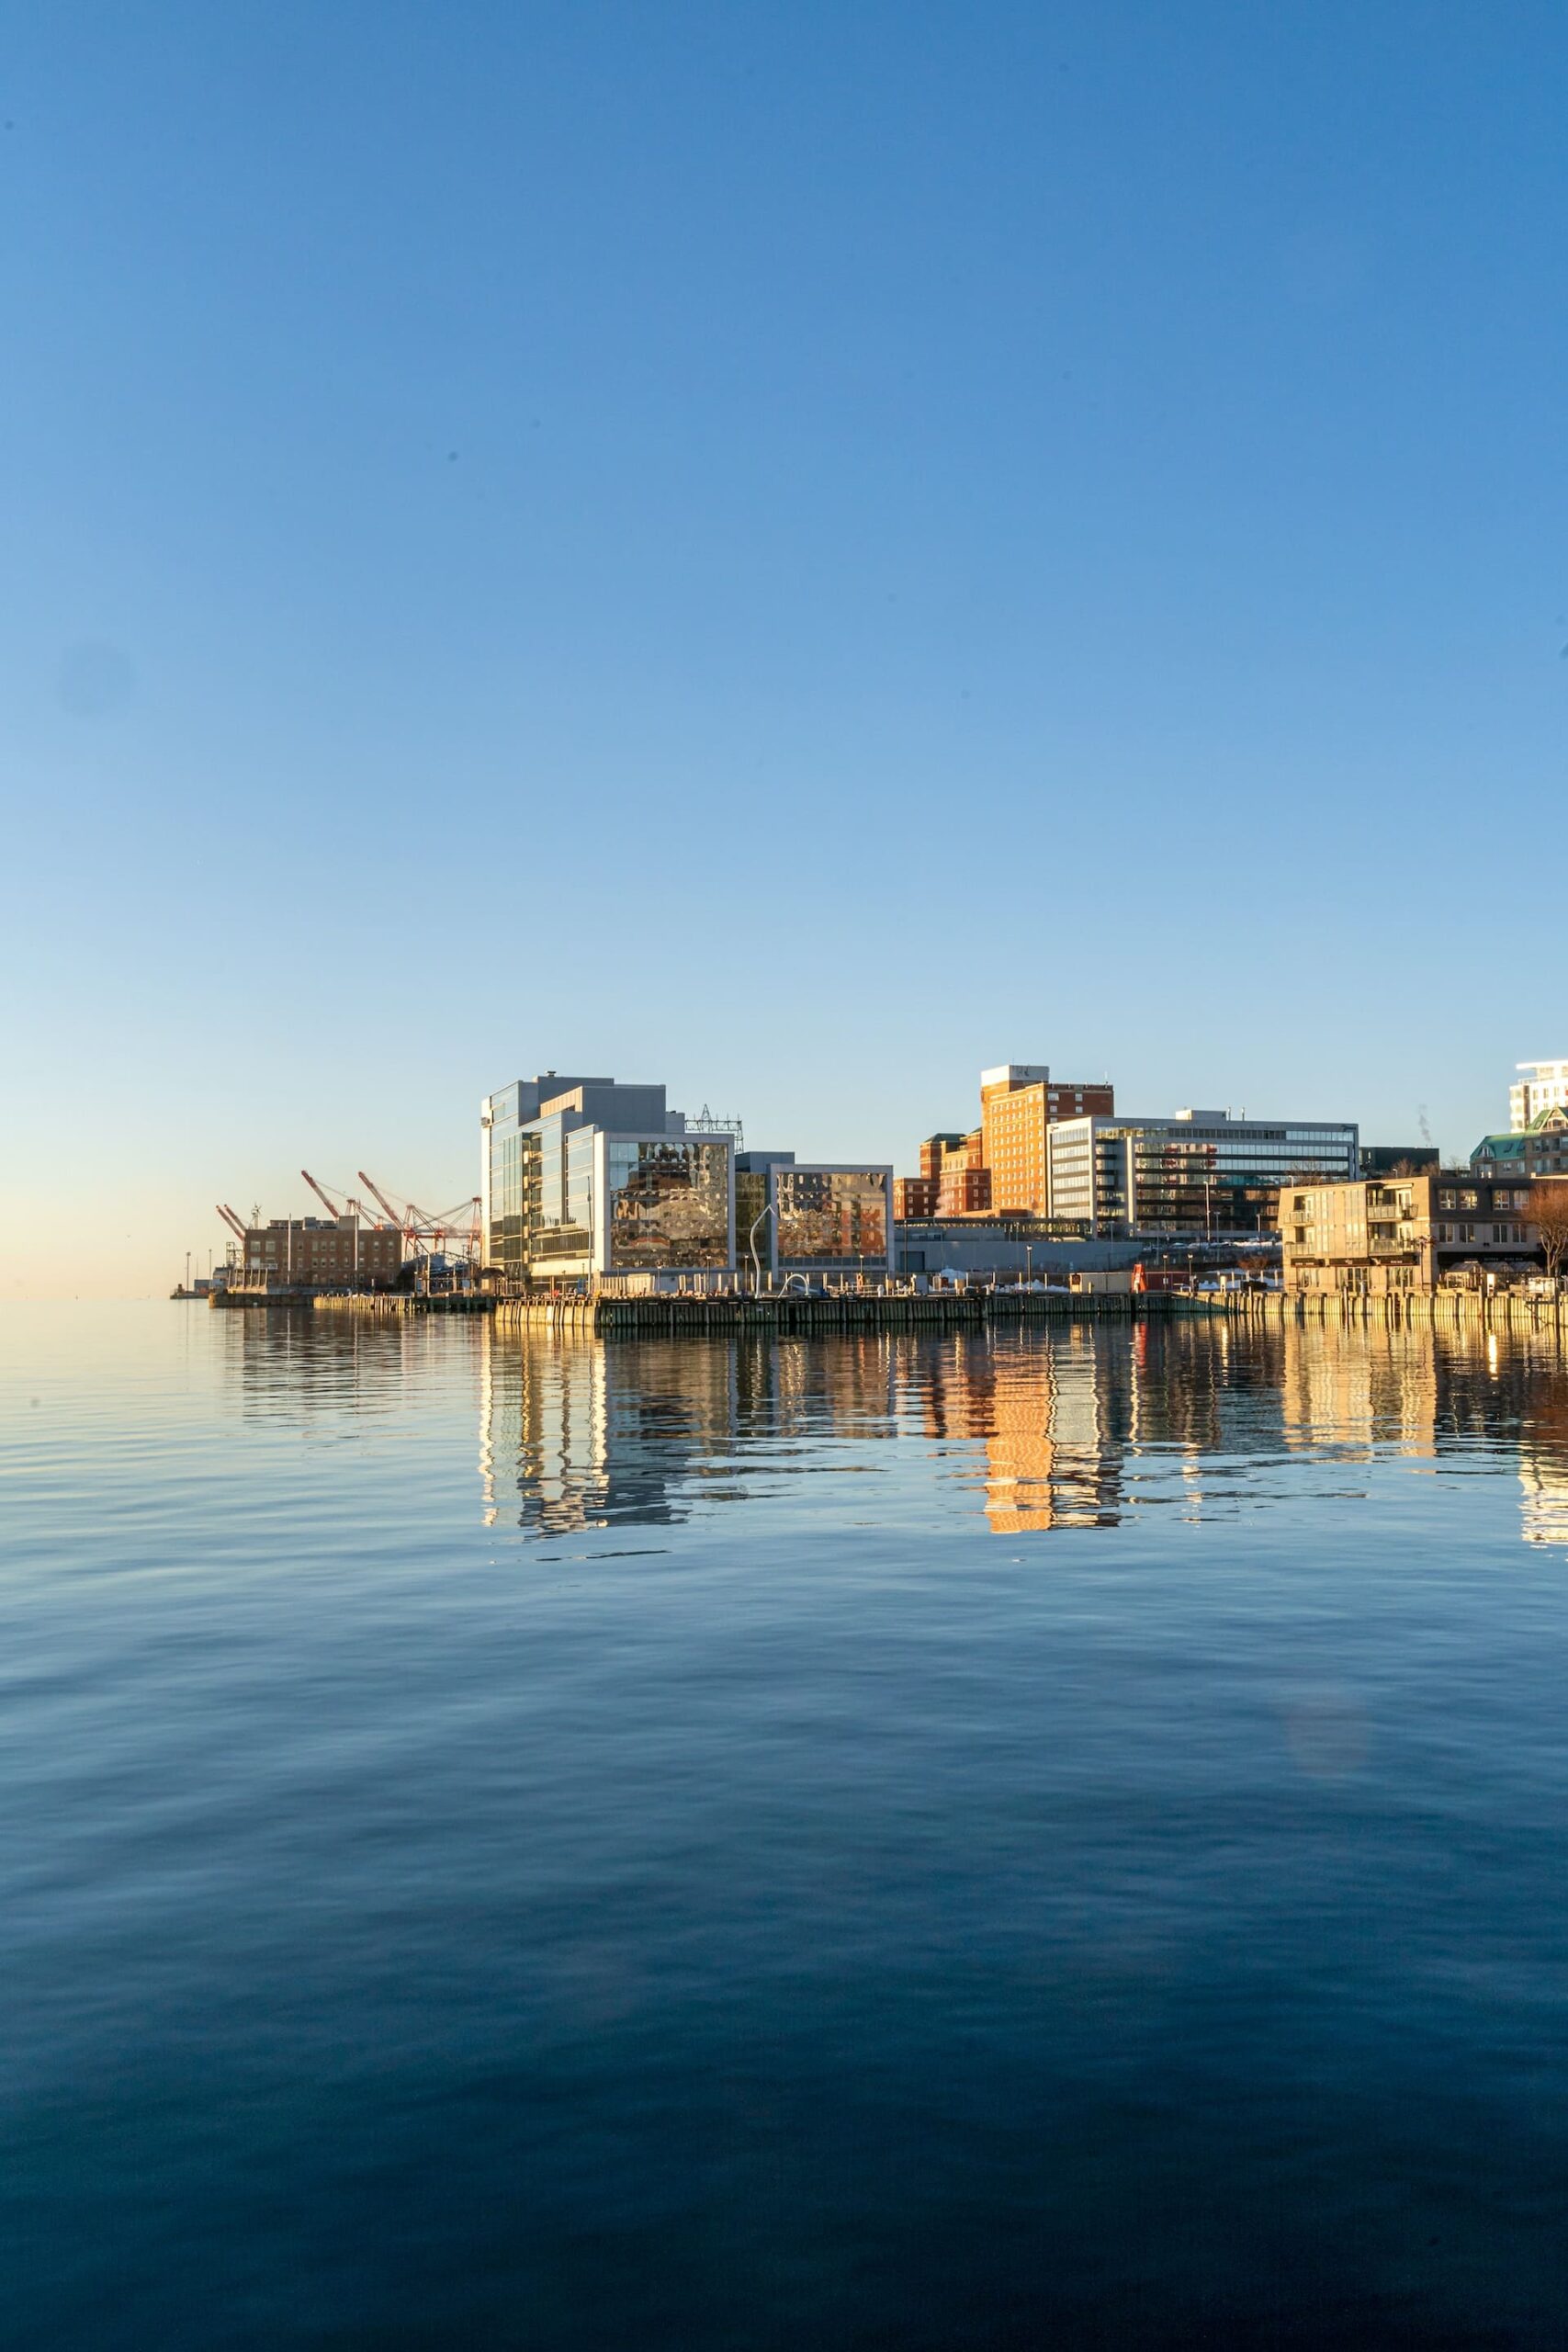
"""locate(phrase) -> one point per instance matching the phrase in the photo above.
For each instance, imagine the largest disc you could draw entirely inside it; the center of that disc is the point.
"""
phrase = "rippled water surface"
(1051, 1839)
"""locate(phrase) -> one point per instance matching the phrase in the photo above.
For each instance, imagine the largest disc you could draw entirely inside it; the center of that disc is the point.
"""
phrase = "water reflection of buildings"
(1071, 1427)
(576, 1433)
(305, 1368)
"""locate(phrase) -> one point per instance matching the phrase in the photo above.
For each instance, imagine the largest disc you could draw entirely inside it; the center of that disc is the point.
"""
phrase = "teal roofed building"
(1540, 1149)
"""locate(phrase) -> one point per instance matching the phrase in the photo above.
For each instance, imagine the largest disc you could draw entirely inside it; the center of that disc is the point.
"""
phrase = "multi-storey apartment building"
(1541, 1086)
(1019, 1103)
(585, 1176)
(965, 1189)
(1401, 1233)
(915, 1196)
(1200, 1174)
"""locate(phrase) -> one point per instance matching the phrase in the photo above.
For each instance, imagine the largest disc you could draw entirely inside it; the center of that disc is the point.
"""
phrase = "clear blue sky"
(799, 550)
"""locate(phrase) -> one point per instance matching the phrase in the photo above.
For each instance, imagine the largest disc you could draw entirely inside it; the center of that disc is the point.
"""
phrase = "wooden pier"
(387, 1303)
(795, 1313)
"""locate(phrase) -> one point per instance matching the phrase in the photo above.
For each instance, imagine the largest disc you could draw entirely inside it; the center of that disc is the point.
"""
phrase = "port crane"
(327, 1203)
(230, 1220)
(454, 1232)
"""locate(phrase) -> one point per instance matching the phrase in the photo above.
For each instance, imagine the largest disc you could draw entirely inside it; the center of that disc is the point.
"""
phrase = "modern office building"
(816, 1217)
(1019, 1103)
(1400, 1233)
(585, 1176)
(1201, 1174)
(1541, 1086)
(1540, 1149)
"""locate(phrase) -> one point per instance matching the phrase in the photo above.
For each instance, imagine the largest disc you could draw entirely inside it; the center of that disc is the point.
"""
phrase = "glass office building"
(815, 1218)
(581, 1177)
(666, 1203)
(1200, 1174)
(836, 1218)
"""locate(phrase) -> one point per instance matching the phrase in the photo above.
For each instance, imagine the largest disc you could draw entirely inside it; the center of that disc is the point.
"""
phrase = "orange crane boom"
(230, 1220)
(395, 1216)
(326, 1203)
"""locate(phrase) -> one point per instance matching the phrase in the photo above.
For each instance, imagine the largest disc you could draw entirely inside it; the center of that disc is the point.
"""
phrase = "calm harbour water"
(1057, 1839)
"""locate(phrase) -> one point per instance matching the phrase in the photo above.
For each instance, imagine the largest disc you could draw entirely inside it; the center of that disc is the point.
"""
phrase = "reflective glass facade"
(835, 1219)
(667, 1203)
(751, 1200)
(504, 1151)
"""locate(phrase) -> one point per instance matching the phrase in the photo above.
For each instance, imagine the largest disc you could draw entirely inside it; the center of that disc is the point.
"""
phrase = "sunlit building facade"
(582, 1177)
(1540, 1086)
(812, 1219)
(1200, 1174)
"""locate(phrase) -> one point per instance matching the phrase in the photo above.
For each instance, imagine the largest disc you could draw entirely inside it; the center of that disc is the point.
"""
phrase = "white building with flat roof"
(1541, 1086)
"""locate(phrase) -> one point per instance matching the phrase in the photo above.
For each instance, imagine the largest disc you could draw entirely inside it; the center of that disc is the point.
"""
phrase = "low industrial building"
(1011, 1247)
(1401, 1233)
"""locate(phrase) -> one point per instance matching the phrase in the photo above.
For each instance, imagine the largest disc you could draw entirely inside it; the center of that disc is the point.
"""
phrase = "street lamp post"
(768, 1208)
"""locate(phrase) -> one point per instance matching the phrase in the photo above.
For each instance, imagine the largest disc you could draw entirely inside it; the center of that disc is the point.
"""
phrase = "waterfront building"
(1201, 1174)
(1540, 1149)
(1541, 1086)
(1015, 1246)
(581, 1177)
(812, 1217)
(319, 1252)
(1405, 1232)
